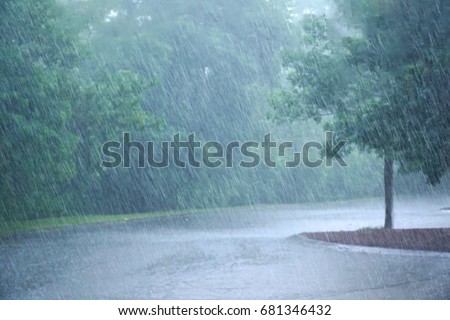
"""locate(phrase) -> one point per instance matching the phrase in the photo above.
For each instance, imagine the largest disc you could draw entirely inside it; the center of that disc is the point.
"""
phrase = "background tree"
(53, 115)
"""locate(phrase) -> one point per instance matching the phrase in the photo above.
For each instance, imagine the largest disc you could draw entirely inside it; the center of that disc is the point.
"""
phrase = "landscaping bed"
(406, 239)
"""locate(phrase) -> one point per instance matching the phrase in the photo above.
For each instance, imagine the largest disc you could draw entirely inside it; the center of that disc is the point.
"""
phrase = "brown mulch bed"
(406, 239)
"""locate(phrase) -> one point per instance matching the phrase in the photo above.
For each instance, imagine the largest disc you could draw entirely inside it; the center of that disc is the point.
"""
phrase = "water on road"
(243, 253)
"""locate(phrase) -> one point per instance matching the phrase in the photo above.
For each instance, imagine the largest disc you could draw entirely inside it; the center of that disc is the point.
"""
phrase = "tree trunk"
(388, 191)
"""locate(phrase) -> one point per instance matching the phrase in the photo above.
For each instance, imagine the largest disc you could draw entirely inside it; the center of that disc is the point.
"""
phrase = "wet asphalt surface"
(242, 253)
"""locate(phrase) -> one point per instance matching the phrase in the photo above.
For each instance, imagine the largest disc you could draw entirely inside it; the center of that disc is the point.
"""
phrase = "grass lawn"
(7, 228)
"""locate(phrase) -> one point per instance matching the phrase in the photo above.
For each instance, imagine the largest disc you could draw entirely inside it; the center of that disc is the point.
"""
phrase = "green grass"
(7, 228)
(370, 229)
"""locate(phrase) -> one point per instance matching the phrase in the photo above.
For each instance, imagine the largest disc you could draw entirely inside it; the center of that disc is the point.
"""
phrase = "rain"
(224, 149)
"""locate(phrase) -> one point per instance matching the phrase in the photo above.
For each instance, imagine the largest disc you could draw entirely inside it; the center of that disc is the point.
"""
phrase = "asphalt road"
(245, 253)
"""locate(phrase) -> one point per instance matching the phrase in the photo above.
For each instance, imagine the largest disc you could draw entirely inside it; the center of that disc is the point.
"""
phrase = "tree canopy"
(381, 81)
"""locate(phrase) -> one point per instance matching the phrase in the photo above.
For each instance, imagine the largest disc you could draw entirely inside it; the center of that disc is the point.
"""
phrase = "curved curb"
(369, 250)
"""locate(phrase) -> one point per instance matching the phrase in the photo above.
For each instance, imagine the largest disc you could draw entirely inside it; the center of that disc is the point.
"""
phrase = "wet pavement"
(242, 253)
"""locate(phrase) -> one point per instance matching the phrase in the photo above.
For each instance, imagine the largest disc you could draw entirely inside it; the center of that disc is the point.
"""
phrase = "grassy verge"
(11, 227)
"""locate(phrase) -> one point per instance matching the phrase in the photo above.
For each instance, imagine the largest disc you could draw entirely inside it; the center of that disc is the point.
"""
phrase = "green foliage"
(52, 117)
(211, 58)
(409, 42)
(384, 79)
(36, 142)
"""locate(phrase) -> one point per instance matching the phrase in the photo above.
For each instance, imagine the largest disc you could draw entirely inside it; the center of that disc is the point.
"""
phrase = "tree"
(54, 117)
(36, 143)
(213, 61)
(382, 82)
